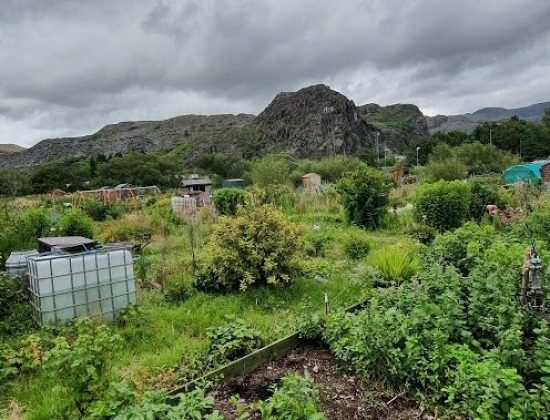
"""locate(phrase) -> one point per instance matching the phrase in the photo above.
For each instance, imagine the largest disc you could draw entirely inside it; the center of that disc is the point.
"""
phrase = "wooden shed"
(198, 188)
(544, 169)
(311, 182)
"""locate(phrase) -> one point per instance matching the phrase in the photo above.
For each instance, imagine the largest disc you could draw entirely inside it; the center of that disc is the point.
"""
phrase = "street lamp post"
(417, 160)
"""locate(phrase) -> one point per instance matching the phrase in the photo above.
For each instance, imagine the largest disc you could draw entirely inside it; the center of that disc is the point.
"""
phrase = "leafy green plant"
(75, 223)
(443, 205)
(231, 341)
(15, 310)
(81, 363)
(296, 398)
(95, 209)
(462, 247)
(258, 247)
(316, 243)
(364, 195)
(482, 194)
(422, 233)
(356, 247)
(227, 200)
(122, 403)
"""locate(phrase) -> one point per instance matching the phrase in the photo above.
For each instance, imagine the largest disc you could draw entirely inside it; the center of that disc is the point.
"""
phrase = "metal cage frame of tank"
(101, 303)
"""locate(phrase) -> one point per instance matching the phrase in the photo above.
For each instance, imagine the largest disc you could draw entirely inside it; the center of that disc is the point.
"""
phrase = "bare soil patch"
(343, 395)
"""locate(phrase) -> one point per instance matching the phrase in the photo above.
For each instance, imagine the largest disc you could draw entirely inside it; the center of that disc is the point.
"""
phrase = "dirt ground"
(343, 395)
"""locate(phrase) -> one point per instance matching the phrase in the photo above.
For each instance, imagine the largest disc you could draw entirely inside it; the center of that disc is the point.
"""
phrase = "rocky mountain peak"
(315, 121)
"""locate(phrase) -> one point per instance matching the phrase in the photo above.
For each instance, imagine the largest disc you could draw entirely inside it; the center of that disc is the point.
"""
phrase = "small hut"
(198, 188)
(311, 182)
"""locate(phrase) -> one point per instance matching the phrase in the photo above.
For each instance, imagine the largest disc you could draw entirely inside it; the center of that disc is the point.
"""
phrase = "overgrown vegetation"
(443, 325)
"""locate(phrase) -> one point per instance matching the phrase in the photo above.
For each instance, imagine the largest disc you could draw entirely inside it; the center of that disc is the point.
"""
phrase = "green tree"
(227, 200)
(75, 223)
(272, 169)
(364, 195)
(449, 169)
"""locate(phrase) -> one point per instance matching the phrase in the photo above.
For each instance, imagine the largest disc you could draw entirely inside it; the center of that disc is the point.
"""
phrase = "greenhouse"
(524, 172)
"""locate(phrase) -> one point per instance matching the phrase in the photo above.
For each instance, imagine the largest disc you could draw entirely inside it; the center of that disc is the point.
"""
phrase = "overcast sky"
(68, 67)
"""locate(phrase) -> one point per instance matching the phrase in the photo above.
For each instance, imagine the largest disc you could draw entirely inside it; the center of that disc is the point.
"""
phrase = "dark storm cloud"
(67, 67)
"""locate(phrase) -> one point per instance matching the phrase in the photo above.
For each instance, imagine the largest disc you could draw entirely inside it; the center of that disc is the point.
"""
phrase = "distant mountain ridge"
(312, 122)
(11, 148)
(468, 122)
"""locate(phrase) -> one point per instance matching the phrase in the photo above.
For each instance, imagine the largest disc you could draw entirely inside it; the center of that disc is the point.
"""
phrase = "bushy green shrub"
(443, 205)
(95, 209)
(462, 247)
(356, 247)
(271, 170)
(422, 233)
(364, 195)
(123, 403)
(227, 200)
(482, 194)
(257, 247)
(75, 223)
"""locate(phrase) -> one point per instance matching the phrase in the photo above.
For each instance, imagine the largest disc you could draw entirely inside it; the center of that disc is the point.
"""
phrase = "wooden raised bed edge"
(252, 361)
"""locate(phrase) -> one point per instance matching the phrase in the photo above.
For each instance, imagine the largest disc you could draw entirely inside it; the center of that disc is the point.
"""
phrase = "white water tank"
(95, 284)
(179, 204)
(16, 264)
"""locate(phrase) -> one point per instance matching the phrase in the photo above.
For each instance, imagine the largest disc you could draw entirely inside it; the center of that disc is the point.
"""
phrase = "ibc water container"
(91, 284)
(16, 264)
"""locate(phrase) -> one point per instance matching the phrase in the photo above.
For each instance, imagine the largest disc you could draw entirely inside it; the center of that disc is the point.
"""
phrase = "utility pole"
(385, 152)
(377, 150)
(417, 150)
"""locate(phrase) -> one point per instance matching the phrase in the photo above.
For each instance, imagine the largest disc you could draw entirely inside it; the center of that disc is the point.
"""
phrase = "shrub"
(95, 209)
(482, 194)
(81, 363)
(446, 170)
(257, 247)
(443, 205)
(178, 291)
(461, 247)
(15, 310)
(422, 233)
(364, 195)
(227, 200)
(231, 341)
(316, 243)
(279, 195)
(356, 247)
(75, 223)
